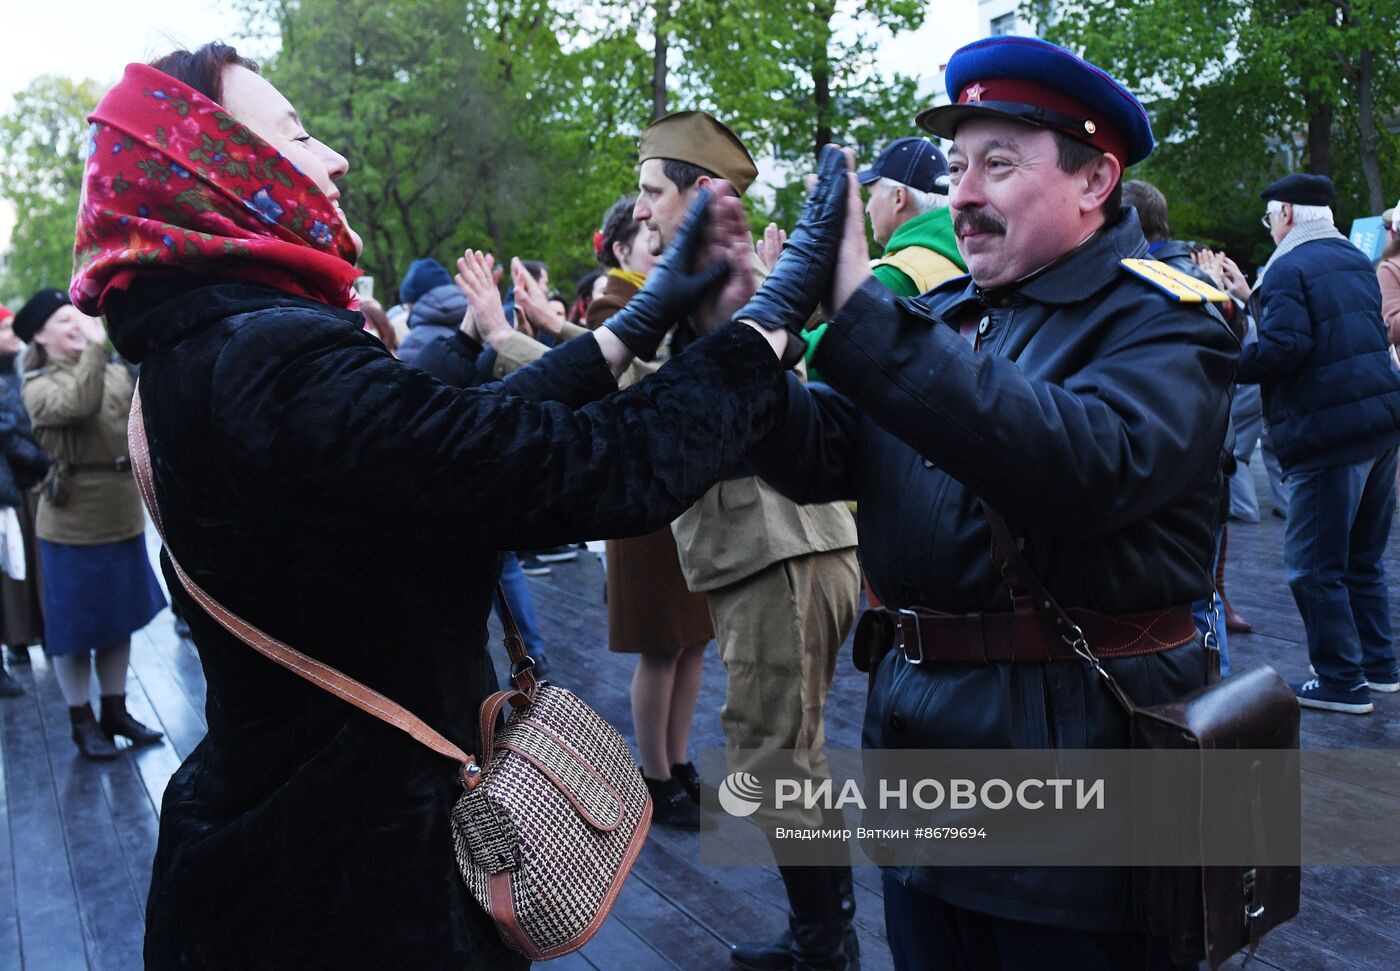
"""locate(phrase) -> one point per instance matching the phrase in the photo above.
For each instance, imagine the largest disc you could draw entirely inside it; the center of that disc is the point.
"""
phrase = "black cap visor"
(943, 120)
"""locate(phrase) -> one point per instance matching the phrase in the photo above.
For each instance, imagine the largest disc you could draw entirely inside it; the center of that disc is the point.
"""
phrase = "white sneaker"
(1385, 687)
(1314, 694)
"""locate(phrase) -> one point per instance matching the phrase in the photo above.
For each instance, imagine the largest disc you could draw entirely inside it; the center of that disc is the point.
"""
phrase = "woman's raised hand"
(485, 319)
(92, 330)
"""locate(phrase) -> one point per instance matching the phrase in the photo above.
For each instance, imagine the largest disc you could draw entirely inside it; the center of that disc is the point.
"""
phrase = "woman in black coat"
(302, 832)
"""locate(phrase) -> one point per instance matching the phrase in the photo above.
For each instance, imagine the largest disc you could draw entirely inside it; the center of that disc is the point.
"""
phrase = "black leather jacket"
(1091, 415)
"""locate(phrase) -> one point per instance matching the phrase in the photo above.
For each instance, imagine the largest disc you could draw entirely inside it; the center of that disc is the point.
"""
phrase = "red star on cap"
(974, 93)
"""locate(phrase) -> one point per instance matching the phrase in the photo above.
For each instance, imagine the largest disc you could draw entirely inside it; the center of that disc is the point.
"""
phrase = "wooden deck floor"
(76, 838)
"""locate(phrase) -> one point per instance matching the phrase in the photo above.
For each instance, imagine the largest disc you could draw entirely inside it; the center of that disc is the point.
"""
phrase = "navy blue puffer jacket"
(1331, 393)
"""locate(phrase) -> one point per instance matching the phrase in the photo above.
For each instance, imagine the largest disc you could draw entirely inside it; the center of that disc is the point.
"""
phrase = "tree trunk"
(1319, 136)
(821, 74)
(1370, 137)
(662, 10)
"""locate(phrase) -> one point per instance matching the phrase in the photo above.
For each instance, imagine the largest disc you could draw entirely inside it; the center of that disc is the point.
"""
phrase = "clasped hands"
(707, 273)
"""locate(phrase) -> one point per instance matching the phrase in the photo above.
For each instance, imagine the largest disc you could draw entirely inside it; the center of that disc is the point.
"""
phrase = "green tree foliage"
(466, 122)
(1244, 91)
(512, 124)
(43, 140)
(791, 77)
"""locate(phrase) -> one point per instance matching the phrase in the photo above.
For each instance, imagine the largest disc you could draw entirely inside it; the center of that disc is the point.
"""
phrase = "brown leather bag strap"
(521, 672)
(1006, 554)
(490, 711)
(322, 675)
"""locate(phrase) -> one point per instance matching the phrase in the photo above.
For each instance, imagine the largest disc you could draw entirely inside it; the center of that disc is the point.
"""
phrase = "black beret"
(36, 312)
(1301, 190)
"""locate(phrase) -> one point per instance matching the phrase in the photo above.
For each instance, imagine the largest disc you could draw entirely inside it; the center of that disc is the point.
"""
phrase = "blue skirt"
(95, 596)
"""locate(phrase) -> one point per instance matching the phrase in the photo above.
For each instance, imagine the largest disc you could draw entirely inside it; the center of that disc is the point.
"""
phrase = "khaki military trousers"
(779, 633)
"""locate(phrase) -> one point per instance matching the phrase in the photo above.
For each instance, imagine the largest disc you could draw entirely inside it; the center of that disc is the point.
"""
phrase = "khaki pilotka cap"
(697, 138)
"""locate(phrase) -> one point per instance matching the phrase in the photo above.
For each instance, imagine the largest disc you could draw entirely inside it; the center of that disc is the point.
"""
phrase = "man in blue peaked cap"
(1068, 384)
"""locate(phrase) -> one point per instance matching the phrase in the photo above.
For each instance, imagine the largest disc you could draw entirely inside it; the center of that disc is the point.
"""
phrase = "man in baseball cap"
(1069, 384)
(908, 212)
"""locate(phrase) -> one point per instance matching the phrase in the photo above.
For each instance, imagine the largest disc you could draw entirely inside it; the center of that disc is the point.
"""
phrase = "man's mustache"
(976, 221)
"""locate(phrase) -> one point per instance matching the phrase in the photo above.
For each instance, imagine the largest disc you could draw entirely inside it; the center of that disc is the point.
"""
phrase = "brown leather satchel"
(550, 819)
(1206, 913)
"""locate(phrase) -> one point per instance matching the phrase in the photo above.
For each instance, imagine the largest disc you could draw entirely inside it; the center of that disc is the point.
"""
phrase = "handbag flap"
(595, 799)
(1254, 710)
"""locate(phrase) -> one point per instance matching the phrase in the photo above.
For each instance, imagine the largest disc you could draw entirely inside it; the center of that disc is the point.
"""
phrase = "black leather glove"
(802, 275)
(672, 291)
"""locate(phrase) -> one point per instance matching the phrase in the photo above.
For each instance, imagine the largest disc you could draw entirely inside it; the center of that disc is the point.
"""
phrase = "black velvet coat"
(352, 507)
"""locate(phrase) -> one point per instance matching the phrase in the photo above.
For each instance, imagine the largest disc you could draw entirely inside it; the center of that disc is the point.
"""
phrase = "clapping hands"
(485, 321)
(532, 302)
(1223, 271)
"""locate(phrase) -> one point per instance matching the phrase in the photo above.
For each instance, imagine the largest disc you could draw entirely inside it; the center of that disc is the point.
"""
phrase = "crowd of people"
(1030, 342)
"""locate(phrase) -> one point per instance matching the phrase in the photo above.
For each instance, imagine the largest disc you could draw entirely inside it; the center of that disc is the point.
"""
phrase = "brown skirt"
(21, 601)
(650, 609)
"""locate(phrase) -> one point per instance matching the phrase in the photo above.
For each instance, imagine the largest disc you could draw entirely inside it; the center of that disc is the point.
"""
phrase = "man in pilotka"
(1075, 393)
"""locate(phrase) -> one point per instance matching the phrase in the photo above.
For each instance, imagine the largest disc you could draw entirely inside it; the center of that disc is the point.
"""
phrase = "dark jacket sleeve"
(812, 458)
(1285, 328)
(1116, 441)
(451, 360)
(572, 373)
(322, 418)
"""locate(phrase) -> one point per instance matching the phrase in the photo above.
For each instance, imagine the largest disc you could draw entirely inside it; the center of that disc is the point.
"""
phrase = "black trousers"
(927, 934)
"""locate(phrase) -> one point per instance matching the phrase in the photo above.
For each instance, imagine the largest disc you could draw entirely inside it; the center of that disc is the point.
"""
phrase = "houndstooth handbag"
(550, 819)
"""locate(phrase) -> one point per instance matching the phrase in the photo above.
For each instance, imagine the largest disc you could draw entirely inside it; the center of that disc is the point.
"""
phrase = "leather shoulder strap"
(322, 675)
(1019, 576)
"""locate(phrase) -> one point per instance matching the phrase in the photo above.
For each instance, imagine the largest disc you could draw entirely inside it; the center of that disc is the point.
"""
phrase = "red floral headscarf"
(174, 181)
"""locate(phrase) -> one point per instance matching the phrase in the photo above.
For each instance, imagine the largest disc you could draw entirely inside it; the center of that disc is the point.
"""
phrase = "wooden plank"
(702, 897)
(9, 915)
(168, 703)
(50, 927)
(571, 962)
(670, 932)
(617, 946)
(157, 689)
(112, 917)
(675, 912)
(136, 821)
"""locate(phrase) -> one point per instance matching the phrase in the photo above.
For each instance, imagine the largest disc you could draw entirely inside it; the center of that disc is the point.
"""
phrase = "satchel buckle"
(1253, 910)
(912, 647)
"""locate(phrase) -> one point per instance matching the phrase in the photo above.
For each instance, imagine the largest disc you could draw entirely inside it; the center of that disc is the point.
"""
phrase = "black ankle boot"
(671, 804)
(90, 738)
(774, 955)
(689, 777)
(819, 946)
(116, 720)
(820, 934)
(777, 954)
(823, 908)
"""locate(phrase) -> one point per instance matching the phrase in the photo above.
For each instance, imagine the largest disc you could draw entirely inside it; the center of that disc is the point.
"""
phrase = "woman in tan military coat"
(98, 583)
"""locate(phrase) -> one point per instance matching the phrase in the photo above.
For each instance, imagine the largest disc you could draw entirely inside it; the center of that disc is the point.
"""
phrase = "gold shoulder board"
(1181, 287)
